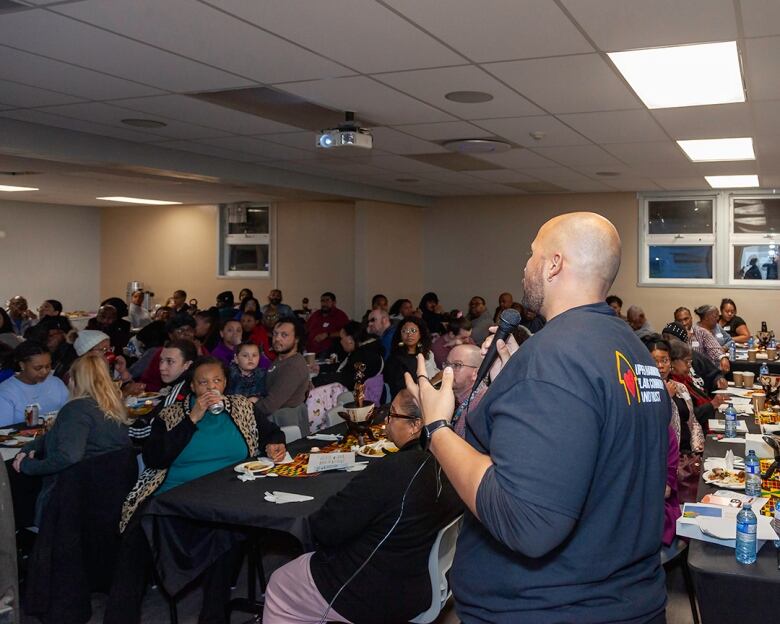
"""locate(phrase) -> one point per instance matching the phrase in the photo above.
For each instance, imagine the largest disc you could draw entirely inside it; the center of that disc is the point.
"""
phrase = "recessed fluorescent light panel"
(689, 75)
(714, 150)
(16, 189)
(138, 200)
(733, 181)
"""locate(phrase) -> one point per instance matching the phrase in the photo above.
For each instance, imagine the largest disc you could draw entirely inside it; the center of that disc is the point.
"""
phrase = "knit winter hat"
(677, 330)
(88, 339)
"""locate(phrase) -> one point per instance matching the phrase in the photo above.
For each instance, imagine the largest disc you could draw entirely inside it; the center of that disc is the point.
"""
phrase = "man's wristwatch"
(428, 430)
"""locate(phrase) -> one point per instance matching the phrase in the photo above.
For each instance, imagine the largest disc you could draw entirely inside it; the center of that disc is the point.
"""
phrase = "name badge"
(695, 344)
(727, 328)
(325, 325)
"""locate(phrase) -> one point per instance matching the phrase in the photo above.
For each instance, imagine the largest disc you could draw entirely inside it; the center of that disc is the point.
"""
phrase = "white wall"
(50, 252)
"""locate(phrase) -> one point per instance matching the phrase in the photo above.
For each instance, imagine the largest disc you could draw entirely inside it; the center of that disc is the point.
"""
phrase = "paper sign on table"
(716, 424)
(716, 524)
(320, 462)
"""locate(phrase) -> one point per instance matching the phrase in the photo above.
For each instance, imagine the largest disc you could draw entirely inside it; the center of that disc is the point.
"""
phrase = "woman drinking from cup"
(33, 385)
(204, 432)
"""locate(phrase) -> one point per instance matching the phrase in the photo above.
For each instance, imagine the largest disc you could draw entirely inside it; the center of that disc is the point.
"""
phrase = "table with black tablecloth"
(755, 367)
(192, 524)
(726, 590)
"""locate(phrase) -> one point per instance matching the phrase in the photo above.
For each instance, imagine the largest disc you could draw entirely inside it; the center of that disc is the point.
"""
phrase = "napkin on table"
(286, 497)
(325, 437)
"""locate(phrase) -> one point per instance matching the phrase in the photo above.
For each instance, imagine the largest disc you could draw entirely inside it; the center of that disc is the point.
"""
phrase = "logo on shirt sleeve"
(641, 383)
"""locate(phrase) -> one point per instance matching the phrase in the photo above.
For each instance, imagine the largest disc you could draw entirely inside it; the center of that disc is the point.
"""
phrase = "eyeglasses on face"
(402, 416)
(456, 366)
(662, 360)
(409, 331)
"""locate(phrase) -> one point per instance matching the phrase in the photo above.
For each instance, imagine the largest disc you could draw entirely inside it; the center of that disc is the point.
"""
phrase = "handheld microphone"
(507, 322)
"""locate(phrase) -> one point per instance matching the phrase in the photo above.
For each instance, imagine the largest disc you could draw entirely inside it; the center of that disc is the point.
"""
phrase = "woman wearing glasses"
(411, 337)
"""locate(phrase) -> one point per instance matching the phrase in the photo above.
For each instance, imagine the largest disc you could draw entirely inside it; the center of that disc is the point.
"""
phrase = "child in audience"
(246, 376)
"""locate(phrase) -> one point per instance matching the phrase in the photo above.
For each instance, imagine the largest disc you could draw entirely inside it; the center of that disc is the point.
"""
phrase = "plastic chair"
(291, 433)
(333, 416)
(677, 554)
(439, 563)
(293, 416)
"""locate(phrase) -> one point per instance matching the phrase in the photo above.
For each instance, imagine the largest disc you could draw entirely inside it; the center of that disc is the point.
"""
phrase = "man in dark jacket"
(385, 522)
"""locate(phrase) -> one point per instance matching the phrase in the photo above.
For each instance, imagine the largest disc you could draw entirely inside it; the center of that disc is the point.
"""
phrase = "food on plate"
(257, 466)
(726, 477)
(371, 451)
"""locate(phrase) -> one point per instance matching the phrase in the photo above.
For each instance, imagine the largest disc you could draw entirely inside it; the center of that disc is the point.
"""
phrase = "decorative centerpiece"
(358, 413)
(763, 337)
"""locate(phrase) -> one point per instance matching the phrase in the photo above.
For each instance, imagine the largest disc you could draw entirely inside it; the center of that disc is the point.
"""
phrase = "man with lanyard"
(563, 468)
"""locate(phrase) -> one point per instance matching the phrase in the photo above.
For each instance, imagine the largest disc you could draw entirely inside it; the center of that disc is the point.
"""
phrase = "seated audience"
(22, 318)
(464, 360)
(244, 294)
(7, 364)
(732, 324)
(411, 337)
(254, 331)
(481, 321)
(50, 307)
(401, 503)
(505, 301)
(432, 313)
(704, 373)
(458, 332)
(401, 309)
(275, 305)
(231, 334)
(532, 321)
(380, 325)
(360, 346)
(187, 441)
(8, 335)
(154, 334)
(700, 336)
(304, 312)
(639, 323)
(324, 325)
(246, 377)
(32, 385)
(287, 382)
(110, 323)
(94, 421)
(176, 357)
(225, 305)
(704, 407)
(249, 304)
(378, 302)
(138, 315)
(179, 302)
(53, 332)
(616, 303)
(147, 369)
(207, 328)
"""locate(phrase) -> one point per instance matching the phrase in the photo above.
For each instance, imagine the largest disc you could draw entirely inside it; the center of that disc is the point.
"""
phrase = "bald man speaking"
(564, 464)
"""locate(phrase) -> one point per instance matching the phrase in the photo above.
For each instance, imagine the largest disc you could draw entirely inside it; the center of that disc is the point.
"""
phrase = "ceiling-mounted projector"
(348, 134)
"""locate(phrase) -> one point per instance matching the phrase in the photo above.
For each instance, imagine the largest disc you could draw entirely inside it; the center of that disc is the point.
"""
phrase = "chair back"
(291, 433)
(293, 416)
(439, 563)
(373, 388)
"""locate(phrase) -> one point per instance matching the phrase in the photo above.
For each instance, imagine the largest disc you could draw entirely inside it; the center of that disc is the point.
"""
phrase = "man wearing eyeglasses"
(394, 584)
(464, 360)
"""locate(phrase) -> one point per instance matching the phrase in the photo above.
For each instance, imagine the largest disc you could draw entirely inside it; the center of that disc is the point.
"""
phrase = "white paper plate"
(260, 465)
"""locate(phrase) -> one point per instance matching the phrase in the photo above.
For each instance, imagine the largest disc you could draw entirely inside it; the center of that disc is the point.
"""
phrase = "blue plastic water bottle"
(747, 528)
(750, 342)
(752, 475)
(764, 370)
(730, 421)
(733, 352)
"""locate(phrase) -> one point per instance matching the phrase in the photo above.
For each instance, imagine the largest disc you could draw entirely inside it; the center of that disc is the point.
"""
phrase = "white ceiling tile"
(497, 30)
(46, 73)
(444, 131)
(632, 184)
(17, 95)
(629, 24)
(770, 181)
(567, 84)
(74, 42)
(763, 79)
(451, 177)
(671, 169)
(767, 117)
(46, 119)
(206, 114)
(616, 126)
(501, 175)
(397, 142)
(401, 165)
(760, 17)
(253, 145)
(301, 140)
(647, 153)
(359, 34)
(192, 29)
(348, 168)
(742, 167)
(585, 185)
(207, 150)
(768, 146)
(516, 159)
(578, 155)
(682, 184)
(368, 99)
(706, 122)
(431, 85)
(487, 188)
(519, 131)
(109, 115)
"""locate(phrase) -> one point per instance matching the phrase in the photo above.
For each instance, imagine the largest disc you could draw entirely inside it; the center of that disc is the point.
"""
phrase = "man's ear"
(555, 266)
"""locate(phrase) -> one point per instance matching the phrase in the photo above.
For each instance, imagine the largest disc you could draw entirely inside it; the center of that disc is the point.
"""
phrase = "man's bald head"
(589, 243)
(467, 354)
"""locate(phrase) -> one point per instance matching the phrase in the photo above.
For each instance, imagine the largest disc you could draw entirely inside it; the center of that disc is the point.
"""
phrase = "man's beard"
(285, 351)
(533, 293)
